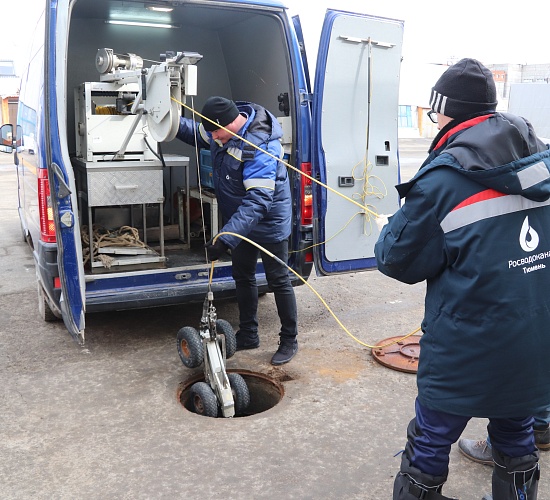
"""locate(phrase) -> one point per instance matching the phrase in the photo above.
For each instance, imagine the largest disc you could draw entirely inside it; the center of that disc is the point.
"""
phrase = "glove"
(381, 221)
(216, 250)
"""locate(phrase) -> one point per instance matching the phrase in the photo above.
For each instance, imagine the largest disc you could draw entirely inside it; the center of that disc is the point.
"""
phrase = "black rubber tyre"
(204, 400)
(241, 395)
(225, 328)
(190, 347)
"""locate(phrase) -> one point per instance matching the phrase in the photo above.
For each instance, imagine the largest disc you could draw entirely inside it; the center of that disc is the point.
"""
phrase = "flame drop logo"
(528, 237)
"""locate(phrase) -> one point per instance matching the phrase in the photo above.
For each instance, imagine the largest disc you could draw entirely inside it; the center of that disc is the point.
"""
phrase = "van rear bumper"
(144, 297)
(136, 297)
(45, 259)
(117, 299)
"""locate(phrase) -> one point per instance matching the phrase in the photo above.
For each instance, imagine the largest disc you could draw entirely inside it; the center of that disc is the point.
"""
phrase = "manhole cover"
(401, 356)
(265, 392)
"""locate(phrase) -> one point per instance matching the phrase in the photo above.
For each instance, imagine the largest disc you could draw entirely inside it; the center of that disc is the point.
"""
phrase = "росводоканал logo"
(528, 237)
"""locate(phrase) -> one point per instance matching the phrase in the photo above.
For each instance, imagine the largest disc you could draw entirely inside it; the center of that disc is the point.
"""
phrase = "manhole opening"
(265, 392)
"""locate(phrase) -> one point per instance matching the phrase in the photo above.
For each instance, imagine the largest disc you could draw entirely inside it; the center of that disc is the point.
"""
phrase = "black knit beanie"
(220, 110)
(467, 87)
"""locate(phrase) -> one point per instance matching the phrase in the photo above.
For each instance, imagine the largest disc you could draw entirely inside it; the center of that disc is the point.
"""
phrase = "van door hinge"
(305, 97)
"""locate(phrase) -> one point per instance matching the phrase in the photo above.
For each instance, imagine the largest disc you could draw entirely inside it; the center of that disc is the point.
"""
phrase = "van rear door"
(300, 36)
(62, 185)
(355, 110)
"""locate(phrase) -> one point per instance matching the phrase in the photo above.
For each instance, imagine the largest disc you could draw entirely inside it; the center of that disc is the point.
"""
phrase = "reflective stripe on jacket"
(252, 187)
(476, 226)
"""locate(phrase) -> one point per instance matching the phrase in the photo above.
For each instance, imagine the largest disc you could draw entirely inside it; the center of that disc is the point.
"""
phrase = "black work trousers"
(245, 257)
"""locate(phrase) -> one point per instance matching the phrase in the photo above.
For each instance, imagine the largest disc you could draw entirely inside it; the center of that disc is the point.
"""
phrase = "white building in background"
(9, 92)
(416, 82)
(532, 101)
(418, 79)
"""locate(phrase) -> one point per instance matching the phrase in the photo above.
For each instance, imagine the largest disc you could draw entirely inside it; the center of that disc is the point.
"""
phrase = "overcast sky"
(435, 31)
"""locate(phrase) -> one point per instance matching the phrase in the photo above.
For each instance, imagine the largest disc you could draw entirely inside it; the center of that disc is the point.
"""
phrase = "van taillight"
(45, 209)
(307, 196)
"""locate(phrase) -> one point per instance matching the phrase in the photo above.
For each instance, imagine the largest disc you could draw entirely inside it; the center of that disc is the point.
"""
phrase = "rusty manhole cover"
(401, 356)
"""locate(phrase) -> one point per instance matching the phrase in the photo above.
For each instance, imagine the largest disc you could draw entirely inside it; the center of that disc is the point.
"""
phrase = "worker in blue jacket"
(475, 225)
(253, 193)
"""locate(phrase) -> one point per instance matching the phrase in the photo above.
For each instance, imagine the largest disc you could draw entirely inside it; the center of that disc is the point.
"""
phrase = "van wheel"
(204, 400)
(226, 329)
(43, 307)
(241, 394)
(190, 347)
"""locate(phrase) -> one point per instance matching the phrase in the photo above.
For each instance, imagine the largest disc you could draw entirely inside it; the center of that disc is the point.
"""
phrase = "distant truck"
(532, 101)
(93, 143)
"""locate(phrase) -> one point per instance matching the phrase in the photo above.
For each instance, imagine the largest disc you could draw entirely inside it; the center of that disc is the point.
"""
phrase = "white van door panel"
(355, 136)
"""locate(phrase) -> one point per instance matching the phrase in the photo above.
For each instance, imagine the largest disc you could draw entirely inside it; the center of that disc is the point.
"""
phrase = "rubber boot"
(412, 484)
(515, 478)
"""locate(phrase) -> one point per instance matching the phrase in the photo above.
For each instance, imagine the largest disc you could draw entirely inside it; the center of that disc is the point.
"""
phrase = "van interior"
(245, 56)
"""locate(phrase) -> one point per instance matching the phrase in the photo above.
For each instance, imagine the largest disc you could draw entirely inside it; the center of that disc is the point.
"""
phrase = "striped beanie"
(467, 87)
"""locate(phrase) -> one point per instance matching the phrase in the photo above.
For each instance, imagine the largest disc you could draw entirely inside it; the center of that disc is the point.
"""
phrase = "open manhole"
(265, 392)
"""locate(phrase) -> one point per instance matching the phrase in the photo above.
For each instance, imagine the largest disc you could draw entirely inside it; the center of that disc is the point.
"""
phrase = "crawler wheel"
(226, 329)
(190, 347)
(204, 400)
(241, 395)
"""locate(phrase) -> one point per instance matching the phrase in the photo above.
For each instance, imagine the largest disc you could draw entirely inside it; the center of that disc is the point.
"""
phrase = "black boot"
(515, 478)
(412, 484)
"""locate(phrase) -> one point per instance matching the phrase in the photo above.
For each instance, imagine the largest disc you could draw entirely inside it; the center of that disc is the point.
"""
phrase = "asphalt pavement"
(105, 421)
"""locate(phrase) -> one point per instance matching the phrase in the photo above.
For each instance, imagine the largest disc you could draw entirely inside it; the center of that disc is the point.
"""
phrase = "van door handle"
(354, 39)
(64, 190)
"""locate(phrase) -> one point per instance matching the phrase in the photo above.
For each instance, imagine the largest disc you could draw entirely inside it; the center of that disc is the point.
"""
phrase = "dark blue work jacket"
(252, 187)
(475, 225)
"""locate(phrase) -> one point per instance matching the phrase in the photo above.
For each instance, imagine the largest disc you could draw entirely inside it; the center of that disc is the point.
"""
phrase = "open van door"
(300, 36)
(355, 113)
(62, 185)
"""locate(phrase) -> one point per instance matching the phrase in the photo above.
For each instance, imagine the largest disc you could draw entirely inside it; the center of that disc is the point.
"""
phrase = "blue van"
(91, 169)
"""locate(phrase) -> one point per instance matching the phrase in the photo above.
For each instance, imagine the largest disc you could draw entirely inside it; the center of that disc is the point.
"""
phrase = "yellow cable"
(362, 207)
(369, 189)
(367, 211)
(311, 288)
(333, 236)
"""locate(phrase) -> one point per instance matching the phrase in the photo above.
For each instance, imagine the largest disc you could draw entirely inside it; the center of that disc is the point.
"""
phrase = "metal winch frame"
(161, 89)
